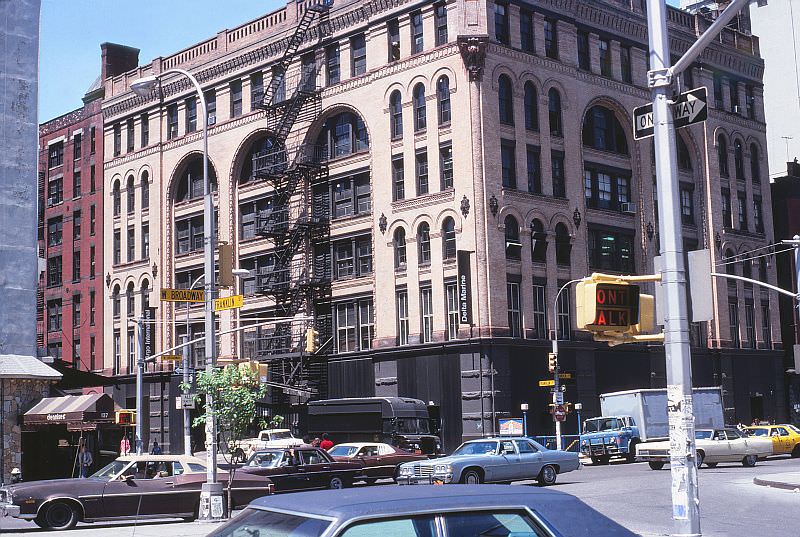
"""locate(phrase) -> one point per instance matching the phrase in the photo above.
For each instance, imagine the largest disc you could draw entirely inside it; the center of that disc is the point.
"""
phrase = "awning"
(77, 412)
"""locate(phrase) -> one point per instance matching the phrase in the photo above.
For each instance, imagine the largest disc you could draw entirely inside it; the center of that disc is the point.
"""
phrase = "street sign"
(547, 382)
(228, 302)
(182, 295)
(567, 376)
(689, 108)
(559, 398)
(171, 357)
(559, 413)
(185, 400)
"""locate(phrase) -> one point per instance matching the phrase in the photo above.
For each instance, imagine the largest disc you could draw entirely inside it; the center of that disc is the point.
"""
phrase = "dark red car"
(301, 468)
(378, 460)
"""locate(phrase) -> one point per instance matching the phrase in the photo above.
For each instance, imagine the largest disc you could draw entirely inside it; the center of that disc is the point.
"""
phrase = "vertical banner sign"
(464, 288)
(149, 332)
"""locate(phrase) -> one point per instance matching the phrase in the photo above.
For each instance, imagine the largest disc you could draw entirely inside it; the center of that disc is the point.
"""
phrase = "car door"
(530, 459)
(145, 492)
(508, 467)
(738, 446)
(784, 440)
(716, 448)
(315, 468)
(370, 457)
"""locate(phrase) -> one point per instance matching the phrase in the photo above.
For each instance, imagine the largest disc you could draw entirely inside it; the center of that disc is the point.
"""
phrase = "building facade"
(497, 132)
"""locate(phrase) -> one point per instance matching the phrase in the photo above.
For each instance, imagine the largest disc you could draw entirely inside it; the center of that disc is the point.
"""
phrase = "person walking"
(124, 446)
(326, 443)
(156, 449)
(84, 461)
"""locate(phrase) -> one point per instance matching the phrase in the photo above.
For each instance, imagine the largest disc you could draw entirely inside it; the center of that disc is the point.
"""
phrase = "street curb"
(776, 484)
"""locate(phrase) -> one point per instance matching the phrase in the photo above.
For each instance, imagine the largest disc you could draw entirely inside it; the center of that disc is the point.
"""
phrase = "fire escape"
(296, 226)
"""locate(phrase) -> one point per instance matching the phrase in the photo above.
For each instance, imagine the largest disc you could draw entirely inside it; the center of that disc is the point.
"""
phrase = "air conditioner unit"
(51, 202)
(737, 109)
(629, 207)
(212, 119)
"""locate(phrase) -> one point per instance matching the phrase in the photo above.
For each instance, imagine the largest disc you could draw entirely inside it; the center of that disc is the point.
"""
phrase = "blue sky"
(72, 30)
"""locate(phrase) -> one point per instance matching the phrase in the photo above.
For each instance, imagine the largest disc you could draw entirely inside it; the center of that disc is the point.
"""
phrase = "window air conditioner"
(737, 109)
(629, 207)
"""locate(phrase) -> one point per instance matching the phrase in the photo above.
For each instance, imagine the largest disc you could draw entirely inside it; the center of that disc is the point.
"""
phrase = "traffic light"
(311, 340)
(125, 417)
(552, 362)
(225, 251)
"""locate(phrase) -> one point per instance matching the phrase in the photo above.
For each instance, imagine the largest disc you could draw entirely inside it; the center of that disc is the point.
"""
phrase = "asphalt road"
(631, 494)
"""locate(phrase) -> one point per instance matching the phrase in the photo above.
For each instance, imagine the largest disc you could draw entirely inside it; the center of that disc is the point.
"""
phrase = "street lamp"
(211, 505)
(578, 408)
(558, 396)
(524, 408)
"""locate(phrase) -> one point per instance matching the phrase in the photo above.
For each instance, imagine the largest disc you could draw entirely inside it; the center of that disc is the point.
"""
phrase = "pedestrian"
(326, 443)
(156, 449)
(316, 442)
(84, 461)
(124, 446)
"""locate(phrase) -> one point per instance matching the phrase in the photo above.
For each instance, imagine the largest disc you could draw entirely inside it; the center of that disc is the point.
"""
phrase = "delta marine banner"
(464, 288)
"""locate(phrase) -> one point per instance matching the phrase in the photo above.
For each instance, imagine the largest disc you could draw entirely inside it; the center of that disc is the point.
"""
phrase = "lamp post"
(578, 408)
(524, 408)
(211, 505)
(558, 395)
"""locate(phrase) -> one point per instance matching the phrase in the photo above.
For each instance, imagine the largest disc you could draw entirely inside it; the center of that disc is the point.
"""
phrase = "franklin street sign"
(689, 108)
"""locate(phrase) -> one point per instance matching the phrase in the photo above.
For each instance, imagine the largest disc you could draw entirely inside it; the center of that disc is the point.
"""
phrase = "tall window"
(426, 313)
(508, 166)
(443, 95)
(117, 140)
(117, 246)
(513, 244)
(531, 107)
(54, 315)
(92, 179)
(606, 188)
(131, 365)
(400, 248)
(424, 243)
(145, 190)
(584, 58)
(145, 241)
(449, 238)
(358, 55)
(734, 95)
(92, 262)
(353, 257)
(333, 67)
(76, 266)
(117, 353)
(440, 23)
(452, 303)
(727, 211)
(76, 225)
(684, 158)
(750, 101)
(446, 165)
(398, 179)
(55, 190)
(393, 36)
(172, 121)
(278, 84)
(130, 194)
(539, 324)
(417, 43)
(538, 242)
(755, 168)
(526, 30)
(722, 155)
(346, 338)
(563, 245)
(625, 63)
(92, 308)
(256, 90)
(92, 140)
(145, 126)
(564, 324)
(687, 204)
(116, 198)
(559, 178)
(211, 106)
(605, 57)
(54, 270)
(766, 333)
(55, 227)
(131, 244)
(602, 130)
(130, 298)
(505, 99)
(191, 114)
(733, 321)
(534, 169)
(236, 98)
(115, 302)
(551, 38)
(76, 183)
(501, 25)
(419, 108)
(514, 309)
(366, 323)
(396, 115)
(718, 91)
(742, 199)
(554, 112)
(76, 311)
(402, 317)
(344, 134)
(738, 159)
(611, 250)
(758, 214)
(77, 146)
(421, 171)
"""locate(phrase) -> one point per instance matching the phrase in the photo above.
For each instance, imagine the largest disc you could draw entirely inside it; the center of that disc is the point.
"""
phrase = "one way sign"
(689, 108)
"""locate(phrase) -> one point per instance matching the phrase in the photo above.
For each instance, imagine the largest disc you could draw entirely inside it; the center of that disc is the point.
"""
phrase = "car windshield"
(794, 429)
(601, 424)
(412, 425)
(261, 523)
(703, 435)
(758, 432)
(342, 451)
(476, 448)
(282, 435)
(265, 459)
(111, 469)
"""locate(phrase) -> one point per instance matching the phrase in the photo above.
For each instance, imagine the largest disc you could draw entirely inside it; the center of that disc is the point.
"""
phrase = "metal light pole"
(139, 383)
(578, 408)
(186, 353)
(211, 505)
(524, 408)
(556, 386)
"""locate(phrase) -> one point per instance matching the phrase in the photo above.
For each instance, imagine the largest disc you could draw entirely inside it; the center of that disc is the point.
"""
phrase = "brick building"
(351, 173)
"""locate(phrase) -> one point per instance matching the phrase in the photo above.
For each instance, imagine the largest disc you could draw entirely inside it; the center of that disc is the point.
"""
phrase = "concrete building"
(500, 130)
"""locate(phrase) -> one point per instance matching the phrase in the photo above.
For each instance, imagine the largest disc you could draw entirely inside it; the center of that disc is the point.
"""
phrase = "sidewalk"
(785, 480)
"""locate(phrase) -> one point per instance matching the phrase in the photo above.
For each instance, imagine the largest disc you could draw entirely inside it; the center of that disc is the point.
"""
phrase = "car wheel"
(336, 483)
(547, 476)
(749, 461)
(796, 451)
(370, 481)
(711, 464)
(60, 516)
(700, 457)
(631, 455)
(601, 460)
(656, 465)
(472, 477)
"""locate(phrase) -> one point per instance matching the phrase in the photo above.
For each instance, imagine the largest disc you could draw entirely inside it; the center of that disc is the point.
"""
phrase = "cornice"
(62, 122)
(448, 196)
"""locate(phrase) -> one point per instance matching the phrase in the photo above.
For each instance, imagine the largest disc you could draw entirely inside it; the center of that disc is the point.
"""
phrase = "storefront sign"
(149, 331)
(464, 288)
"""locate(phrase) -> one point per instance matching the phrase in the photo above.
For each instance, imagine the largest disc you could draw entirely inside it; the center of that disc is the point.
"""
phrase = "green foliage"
(276, 421)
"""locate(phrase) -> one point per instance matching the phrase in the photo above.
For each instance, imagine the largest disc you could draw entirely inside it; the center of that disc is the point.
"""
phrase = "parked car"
(712, 446)
(785, 437)
(268, 438)
(378, 461)
(492, 460)
(130, 487)
(301, 469)
(453, 511)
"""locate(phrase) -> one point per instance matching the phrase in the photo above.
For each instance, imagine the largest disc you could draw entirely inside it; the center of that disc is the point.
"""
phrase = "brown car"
(378, 460)
(301, 468)
(134, 486)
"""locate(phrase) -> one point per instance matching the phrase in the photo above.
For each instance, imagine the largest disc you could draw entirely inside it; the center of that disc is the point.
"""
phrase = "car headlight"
(442, 469)
(406, 470)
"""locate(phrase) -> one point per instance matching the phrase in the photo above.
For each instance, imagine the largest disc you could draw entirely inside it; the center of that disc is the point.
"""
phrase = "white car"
(713, 446)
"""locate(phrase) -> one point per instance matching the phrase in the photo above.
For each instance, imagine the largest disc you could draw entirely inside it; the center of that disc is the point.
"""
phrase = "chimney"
(117, 59)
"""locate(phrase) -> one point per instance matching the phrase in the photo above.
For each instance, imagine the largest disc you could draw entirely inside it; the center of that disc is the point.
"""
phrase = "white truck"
(634, 416)
(268, 438)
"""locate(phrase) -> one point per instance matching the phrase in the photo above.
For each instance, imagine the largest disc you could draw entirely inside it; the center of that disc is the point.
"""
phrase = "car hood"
(57, 486)
(451, 459)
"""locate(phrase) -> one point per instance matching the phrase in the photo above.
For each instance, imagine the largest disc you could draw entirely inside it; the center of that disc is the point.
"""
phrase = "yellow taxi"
(785, 437)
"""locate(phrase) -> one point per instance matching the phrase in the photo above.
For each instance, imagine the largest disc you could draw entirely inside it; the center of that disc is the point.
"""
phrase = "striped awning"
(80, 411)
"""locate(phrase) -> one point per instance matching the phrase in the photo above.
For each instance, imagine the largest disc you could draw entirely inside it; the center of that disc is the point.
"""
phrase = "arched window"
(513, 245)
(684, 159)
(531, 108)
(424, 243)
(738, 159)
(755, 169)
(130, 303)
(747, 267)
(344, 134)
(730, 265)
(505, 100)
(538, 242)
(400, 248)
(115, 194)
(115, 303)
(722, 155)
(554, 112)
(130, 192)
(396, 115)
(263, 156)
(145, 295)
(443, 95)
(190, 183)
(563, 245)
(449, 238)
(420, 119)
(602, 130)
(145, 190)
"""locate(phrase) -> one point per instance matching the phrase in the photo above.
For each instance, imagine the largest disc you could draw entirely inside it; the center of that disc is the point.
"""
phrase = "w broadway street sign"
(689, 108)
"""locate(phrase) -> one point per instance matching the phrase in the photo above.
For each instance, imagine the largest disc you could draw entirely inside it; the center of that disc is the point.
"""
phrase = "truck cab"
(609, 436)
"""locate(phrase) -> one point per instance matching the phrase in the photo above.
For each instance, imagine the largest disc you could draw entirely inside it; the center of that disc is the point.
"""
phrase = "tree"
(236, 390)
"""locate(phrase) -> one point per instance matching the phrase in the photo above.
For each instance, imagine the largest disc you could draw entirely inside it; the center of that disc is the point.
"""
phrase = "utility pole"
(139, 383)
